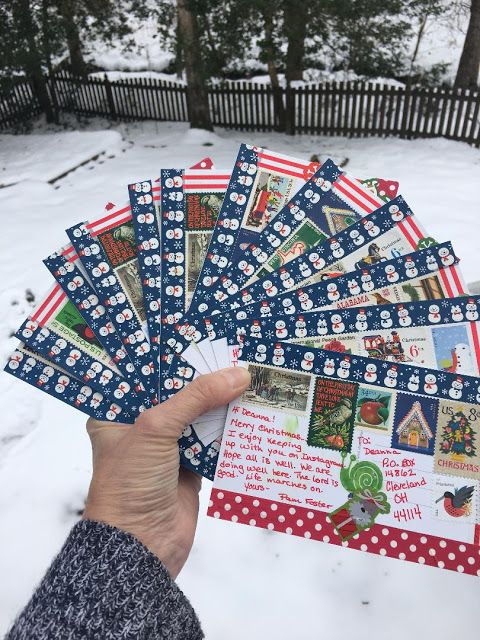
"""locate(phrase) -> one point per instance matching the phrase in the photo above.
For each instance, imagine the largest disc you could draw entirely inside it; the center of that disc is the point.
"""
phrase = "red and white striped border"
(412, 231)
(381, 540)
(206, 180)
(54, 298)
(286, 165)
(69, 253)
(356, 195)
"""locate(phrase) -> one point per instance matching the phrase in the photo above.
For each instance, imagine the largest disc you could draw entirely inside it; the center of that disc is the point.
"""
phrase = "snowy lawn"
(243, 582)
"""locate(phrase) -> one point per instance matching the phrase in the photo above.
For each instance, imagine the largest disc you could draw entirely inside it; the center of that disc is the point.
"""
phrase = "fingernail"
(236, 377)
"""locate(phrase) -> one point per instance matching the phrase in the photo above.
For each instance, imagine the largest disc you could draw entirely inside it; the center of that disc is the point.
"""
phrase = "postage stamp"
(333, 415)
(375, 409)
(196, 249)
(270, 192)
(278, 389)
(455, 499)
(129, 277)
(453, 349)
(456, 445)
(415, 424)
(307, 236)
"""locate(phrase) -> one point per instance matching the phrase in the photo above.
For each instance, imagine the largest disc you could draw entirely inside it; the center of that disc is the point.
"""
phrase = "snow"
(44, 162)
(243, 582)
(442, 42)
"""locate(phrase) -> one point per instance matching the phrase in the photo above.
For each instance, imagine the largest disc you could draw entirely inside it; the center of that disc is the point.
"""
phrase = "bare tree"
(469, 65)
(197, 97)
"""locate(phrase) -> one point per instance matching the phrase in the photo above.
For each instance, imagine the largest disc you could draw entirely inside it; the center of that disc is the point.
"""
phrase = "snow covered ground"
(243, 582)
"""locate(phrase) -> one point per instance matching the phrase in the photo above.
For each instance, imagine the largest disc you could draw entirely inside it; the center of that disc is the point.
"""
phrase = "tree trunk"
(270, 58)
(469, 65)
(77, 62)
(32, 58)
(295, 21)
(421, 30)
(179, 66)
(197, 98)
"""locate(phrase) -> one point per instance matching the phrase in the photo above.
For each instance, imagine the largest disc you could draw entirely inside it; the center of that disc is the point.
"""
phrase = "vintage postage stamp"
(455, 499)
(333, 415)
(278, 389)
(415, 424)
(456, 445)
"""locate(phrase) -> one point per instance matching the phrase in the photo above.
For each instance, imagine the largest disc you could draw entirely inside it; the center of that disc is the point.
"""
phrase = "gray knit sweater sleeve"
(106, 585)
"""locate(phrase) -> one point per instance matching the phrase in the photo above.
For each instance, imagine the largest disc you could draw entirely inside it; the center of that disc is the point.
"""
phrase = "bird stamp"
(455, 499)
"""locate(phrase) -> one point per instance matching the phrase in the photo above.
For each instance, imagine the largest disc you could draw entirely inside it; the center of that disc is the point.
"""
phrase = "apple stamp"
(374, 409)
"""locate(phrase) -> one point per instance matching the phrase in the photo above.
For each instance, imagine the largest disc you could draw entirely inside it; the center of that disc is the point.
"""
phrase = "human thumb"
(205, 393)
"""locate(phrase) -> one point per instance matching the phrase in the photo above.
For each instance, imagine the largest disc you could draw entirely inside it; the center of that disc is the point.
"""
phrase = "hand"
(137, 483)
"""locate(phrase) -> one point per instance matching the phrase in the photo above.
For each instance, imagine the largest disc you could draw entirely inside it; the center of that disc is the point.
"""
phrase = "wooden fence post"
(110, 100)
(290, 110)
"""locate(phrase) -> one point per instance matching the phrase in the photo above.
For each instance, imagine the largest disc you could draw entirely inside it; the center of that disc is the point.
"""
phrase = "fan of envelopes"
(326, 286)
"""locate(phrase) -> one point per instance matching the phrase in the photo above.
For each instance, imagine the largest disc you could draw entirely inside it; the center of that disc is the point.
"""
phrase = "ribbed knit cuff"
(106, 584)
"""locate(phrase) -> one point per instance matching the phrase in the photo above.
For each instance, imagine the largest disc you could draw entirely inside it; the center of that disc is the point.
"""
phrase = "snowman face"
(366, 278)
(336, 318)
(331, 287)
(392, 374)
(371, 368)
(100, 270)
(309, 356)
(261, 348)
(238, 198)
(352, 284)
(434, 308)
(361, 317)
(456, 384)
(402, 313)
(430, 378)
(143, 187)
(145, 218)
(368, 224)
(443, 252)
(280, 324)
(329, 363)
(384, 315)
(287, 302)
(393, 209)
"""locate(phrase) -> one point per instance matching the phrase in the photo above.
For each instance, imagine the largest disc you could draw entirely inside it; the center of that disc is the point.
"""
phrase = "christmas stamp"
(456, 444)
(415, 423)
(455, 499)
(333, 415)
(286, 391)
(307, 236)
(453, 347)
(270, 192)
